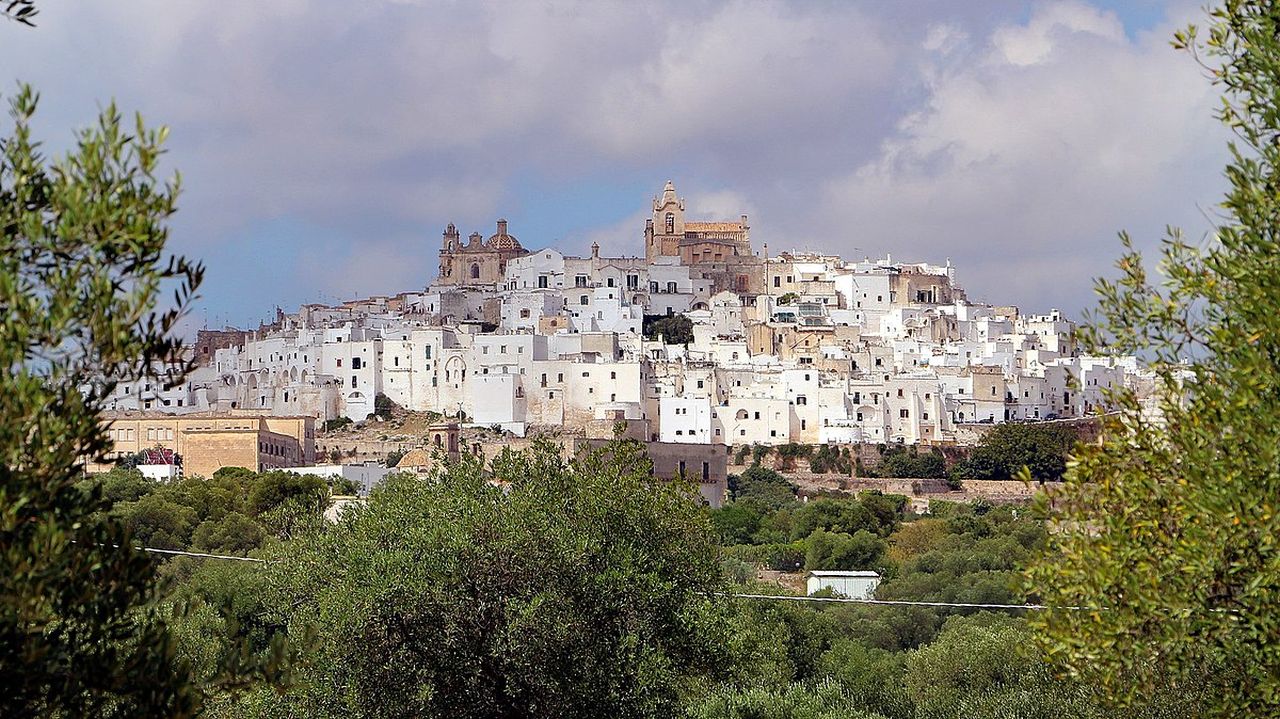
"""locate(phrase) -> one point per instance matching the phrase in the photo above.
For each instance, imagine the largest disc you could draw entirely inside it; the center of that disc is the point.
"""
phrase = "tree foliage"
(1004, 451)
(82, 264)
(580, 589)
(911, 463)
(21, 11)
(1169, 526)
(674, 329)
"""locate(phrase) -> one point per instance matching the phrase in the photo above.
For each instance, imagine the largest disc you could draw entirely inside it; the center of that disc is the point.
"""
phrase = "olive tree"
(1168, 534)
(537, 587)
(82, 266)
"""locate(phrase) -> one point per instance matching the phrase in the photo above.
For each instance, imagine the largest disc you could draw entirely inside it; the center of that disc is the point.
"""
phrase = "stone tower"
(663, 232)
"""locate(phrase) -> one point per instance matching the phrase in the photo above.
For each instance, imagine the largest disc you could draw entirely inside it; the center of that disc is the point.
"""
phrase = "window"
(353, 381)
(609, 282)
(475, 272)
(777, 281)
(340, 361)
(580, 281)
(524, 314)
(428, 351)
(757, 415)
(924, 416)
(560, 377)
(903, 413)
(899, 392)
(700, 384)
(582, 300)
(671, 224)
(542, 282)
(802, 400)
(706, 471)
(613, 375)
(859, 416)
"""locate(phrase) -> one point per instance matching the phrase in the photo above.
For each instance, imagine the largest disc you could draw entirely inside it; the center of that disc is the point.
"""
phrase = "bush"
(829, 458)
(824, 700)
(908, 463)
(336, 424)
(675, 329)
(788, 453)
(780, 557)
(383, 406)
(1007, 448)
(764, 485)
(276, 488)
(837, 550)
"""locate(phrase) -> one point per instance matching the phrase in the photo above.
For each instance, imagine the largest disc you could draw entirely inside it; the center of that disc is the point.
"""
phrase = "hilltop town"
(706, 341)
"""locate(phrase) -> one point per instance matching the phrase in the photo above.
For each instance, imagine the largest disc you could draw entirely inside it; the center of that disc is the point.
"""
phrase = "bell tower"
(664, 230)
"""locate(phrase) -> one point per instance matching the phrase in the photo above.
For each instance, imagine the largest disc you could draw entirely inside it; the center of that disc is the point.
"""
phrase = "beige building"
(207, 442)
(478, 262)
(668, 234)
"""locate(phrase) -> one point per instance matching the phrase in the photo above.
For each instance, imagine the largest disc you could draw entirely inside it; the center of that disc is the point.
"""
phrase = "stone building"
(208, 442)
(668, 234)
(478, 261)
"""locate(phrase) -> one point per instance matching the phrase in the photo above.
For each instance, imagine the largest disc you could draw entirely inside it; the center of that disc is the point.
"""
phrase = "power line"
(766, 596)
(200, 555)
(895, 602)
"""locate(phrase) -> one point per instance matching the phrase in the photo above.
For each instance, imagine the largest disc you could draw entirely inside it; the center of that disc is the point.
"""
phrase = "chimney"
(502, 227)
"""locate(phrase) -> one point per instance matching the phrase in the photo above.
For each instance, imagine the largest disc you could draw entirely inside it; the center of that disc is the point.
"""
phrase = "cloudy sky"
(325, 144)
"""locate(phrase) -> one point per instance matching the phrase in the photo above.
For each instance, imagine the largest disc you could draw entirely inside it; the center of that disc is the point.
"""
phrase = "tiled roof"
(415, 458)
(713, 226)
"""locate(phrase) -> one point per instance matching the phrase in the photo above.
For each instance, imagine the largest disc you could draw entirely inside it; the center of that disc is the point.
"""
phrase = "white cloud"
(1021, 164)
(925, 129)
(1033, 42)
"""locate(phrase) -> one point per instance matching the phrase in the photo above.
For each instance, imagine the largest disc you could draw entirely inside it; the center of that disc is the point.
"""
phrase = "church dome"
(500, 240)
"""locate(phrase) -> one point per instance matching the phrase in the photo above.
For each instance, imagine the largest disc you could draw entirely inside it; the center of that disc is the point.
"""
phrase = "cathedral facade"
(478, 261)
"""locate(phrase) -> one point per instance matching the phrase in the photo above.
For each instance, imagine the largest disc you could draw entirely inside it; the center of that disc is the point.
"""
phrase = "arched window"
(671, 223)
(475, 272)
(742, 414)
